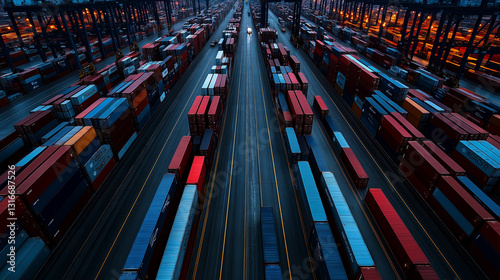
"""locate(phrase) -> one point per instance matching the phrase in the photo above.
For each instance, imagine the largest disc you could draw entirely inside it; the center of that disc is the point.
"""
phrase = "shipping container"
(30, 258)
(173, 258)
(181, 158)
(316, 159)
(145, 255)
(454, 168)
(309, 199)
(491, 206)
(325, 252)
(269, 239)
(353, 245)
(354, 168)
(320, 105)
(407, 252)
(197, 173)
(292, 145)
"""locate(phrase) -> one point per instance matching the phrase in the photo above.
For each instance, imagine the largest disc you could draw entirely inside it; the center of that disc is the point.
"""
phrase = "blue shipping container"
(326, 254)
(152, 228)
(173, 256)
(29, 259)
(269, 240)
(353, 242)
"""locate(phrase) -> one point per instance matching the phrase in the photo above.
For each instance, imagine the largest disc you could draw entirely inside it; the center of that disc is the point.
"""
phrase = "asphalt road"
(447, 257)
(251, 170)
(98, 244)
(19, 109)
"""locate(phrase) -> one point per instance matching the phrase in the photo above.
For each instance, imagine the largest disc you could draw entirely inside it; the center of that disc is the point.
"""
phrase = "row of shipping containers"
(330, 222)
(67, 147)
(448, 133)
(183, 191)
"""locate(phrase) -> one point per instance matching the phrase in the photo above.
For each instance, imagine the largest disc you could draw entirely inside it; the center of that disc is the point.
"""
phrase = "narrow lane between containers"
(215, 222)
(137, 167)
(289, 213)
(436, 254)
(378, 250)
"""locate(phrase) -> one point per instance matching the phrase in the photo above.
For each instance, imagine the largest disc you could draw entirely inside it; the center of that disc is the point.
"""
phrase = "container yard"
(225, 139)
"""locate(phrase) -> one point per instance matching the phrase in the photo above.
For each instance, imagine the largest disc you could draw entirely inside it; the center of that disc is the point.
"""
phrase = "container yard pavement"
(250, 171)
(19, 109)
(100, 240)
(447, 257)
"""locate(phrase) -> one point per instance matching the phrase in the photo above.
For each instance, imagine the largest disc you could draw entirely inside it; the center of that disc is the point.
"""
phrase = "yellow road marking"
(230, 177)
(394, 188)
(275, 178)
(147, 178)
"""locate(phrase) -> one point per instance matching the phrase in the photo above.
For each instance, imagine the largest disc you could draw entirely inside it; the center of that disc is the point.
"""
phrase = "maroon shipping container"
(417, 135)
(103, 175)
(403, 245)
(368, 273)
(493, 142)
(423, 272)
(483, 134)
(214, 113)
(472, 170)
(425, 166)
(464, 202)
(409, 172)
(79, 118)
(303, 81)
(472, 133)
(193, 129)
(28, 170)
(354, 168)
(38, 122)
(394, 129)
(449, 128)
(308, 113)
(320, 105)
(452, 166)
(288, 82)
(38, 181)
(201, 115)
(181, 157)
(296, 111)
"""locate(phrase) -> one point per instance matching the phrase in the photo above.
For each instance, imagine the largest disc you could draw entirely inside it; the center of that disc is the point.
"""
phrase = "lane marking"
(394, 188)
(275, 177)
(200, 243)
(149, 174)
(356, 196)
(124, 178)
(230, 176)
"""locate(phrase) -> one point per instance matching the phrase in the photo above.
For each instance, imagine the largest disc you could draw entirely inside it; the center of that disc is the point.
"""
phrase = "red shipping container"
(414, 179)
(483, 134)
(197, 174)
(397, 235)
(214, 112)
(417, 135)
(454, 168)
(491, 232)
(424, 164)
(32, 167)
(493, 142)
(395, 130)
(472, 170)
(464, 202)
(192, 115)
(354, 168)
(296, 111)
(423, 272)
(181, 157)
(369, 273)
(449, 128)
(320, 105)
(201, 115)
(5, 211)
(308, 113)
(39, 180)
(99, 180)
(472, 133)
